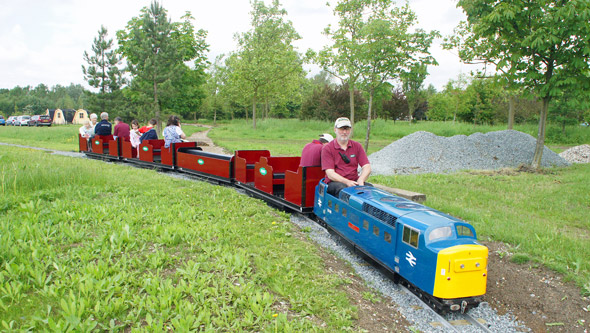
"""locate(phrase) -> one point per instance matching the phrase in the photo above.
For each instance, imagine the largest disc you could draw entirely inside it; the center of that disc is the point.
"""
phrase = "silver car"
(22, 120)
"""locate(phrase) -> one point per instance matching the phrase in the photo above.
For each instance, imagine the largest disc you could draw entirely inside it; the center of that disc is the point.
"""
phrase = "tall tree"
(266, 58)
(542, 45)
(341, 57)
(155, 50)
(412, 81)
(387, 47)
(102, 71)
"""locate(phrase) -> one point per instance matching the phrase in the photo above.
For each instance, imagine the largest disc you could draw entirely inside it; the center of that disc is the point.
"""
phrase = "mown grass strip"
(89, 245)
(287, 137)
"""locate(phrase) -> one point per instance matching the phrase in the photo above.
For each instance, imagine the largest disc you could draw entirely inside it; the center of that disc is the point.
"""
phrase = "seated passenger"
(121, 129)
(151, 132)
(341, 159)
(134, 134)
(311, 155)
(103, 127)
(87, 132)
(173, 133)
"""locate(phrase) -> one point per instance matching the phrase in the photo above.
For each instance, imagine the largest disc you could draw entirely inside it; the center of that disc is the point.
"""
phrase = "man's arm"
(365, 172)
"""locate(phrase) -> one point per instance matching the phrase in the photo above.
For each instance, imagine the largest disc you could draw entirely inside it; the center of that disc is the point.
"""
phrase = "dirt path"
(205, 142)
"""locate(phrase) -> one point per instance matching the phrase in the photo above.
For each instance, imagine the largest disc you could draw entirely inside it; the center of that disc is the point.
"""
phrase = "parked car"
(10, 120)
(2, 121)
(585, 124)
(40, 120)
(22, 120)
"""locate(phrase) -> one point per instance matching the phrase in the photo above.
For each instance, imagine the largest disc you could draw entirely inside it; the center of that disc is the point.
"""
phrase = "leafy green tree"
(412, 81)
(340, 58)
(102, 71)
(541, 45)
(387, 48)
(266, 61)
(155, 50)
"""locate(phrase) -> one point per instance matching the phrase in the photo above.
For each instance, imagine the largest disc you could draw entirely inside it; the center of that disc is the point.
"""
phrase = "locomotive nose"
(461, 272)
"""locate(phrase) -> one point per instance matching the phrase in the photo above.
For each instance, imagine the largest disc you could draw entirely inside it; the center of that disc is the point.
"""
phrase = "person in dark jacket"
(103, 127)
(151, 134)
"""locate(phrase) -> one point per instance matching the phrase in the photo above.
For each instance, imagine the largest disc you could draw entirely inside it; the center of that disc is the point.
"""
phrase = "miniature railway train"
(436, 255)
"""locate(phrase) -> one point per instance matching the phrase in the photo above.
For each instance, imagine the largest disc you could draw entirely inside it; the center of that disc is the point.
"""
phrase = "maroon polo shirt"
(121, 130)
(331, 159)
(311, 155)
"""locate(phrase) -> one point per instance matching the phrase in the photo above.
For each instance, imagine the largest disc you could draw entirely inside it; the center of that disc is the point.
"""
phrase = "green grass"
(544, 215)
(89, 245)
(286, 137)
(63, 137)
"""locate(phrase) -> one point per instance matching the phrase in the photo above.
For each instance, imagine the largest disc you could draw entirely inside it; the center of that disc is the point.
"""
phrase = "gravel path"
(424, 152)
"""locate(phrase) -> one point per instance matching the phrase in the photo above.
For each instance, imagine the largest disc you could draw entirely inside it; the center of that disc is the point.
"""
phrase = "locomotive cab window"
(464, 231)
(330, 203)
(376, 230)
(344, 212)
(442, 232)
(365, 224)
(336, 208)
(411, 236)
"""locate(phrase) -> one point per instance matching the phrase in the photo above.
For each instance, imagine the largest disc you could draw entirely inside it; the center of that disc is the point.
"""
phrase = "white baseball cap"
(326, 137)
(342, 122)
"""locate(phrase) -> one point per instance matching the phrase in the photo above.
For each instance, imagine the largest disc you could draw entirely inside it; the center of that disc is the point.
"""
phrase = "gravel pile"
(424, 152)
(578, 154)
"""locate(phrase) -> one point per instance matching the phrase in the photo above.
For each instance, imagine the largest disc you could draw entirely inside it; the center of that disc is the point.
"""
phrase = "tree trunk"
(254, 111)
(510, 112)
(536, 164)
(369, 120)
(157, 107)
(351, 93)
(410, 111)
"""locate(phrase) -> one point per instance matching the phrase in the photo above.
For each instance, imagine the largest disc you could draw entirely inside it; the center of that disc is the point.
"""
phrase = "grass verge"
(88, 245)
(286, 137)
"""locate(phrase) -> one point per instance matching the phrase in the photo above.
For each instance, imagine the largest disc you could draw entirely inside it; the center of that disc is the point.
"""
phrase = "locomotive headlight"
(462, 266)
(477, 264)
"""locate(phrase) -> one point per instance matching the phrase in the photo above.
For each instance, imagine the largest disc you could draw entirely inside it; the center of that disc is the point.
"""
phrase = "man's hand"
(350, 183)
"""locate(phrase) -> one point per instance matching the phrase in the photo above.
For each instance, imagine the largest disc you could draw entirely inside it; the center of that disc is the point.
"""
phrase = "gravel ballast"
(577, 154)
(424, 152)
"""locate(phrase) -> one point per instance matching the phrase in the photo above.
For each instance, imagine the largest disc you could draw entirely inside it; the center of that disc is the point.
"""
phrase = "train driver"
(341, 159)
(311, 154)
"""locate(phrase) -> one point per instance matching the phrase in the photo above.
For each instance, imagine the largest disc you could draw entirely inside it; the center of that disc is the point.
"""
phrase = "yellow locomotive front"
(461, 272)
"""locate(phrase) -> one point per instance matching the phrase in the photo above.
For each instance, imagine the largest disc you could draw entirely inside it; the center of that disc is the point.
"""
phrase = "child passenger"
(134, 134)
(151, 132)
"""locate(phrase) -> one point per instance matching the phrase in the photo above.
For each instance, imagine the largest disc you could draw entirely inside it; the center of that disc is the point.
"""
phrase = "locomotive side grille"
(344, 197)
(379, 214)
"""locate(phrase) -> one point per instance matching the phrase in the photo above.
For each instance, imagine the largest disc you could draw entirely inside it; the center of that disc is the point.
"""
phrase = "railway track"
(463, 322)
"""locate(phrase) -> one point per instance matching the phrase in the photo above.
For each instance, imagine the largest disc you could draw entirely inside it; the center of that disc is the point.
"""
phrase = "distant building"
(61, 117)
(80, 116)
(57, 116)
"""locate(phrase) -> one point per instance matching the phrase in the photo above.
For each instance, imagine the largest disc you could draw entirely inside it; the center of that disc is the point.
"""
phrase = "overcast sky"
(42, 41)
